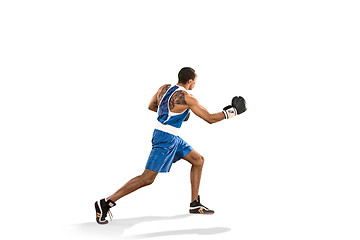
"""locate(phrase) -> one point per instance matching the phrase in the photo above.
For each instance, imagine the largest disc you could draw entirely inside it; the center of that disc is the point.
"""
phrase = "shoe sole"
(200, 211)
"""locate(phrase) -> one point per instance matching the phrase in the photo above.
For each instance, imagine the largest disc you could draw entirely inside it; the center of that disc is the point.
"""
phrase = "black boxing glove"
(238, 106)
(187, 117)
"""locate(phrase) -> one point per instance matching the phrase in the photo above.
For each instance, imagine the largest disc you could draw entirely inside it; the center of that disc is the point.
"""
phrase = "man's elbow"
(210, 120)
(151, 108)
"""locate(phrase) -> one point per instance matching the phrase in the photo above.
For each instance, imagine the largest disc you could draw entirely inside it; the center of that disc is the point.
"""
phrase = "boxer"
(173, 104)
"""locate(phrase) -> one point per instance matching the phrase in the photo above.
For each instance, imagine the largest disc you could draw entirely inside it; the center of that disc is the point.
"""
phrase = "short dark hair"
(186, 74)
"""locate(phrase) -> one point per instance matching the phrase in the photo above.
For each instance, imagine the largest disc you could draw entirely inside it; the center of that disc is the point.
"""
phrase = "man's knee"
(202, 160)
(148, 179)
(199, 161)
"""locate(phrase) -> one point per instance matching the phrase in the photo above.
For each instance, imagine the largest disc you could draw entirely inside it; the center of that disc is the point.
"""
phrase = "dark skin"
(179, 102)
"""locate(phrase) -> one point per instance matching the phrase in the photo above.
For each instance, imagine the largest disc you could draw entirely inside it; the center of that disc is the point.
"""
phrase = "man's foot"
(102, 207)
(197, 207)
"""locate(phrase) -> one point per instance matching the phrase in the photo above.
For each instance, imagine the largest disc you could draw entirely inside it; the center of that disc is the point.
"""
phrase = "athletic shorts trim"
(166, 150)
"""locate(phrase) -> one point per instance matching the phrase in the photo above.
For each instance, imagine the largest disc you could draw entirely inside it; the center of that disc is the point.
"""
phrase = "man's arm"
(153, 105)
(201, 111)
(154, 102)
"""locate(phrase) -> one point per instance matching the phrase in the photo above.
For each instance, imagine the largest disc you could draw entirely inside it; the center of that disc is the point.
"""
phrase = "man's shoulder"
(165, 86)
(190, 99)
(179, 97)
(162, 90)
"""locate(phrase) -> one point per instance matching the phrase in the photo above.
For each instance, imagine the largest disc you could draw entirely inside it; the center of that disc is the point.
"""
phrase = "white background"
(76, 80)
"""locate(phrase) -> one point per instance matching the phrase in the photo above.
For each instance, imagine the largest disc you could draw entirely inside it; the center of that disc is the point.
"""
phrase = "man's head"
(187, 77)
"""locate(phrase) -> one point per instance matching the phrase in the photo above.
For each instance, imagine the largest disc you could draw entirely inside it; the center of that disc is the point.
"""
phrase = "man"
(173, 103)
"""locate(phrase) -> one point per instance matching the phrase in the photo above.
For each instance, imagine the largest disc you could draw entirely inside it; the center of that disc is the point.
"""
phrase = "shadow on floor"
(117, 228)
(197, 231)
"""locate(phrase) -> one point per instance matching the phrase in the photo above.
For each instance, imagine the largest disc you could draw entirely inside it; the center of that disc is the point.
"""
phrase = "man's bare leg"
(197, 162)
(134, 184)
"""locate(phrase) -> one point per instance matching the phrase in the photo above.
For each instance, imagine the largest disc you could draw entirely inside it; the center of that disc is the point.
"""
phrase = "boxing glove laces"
(238, 106)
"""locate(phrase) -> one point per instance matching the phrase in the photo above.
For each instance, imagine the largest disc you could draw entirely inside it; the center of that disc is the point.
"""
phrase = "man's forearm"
(216, 117)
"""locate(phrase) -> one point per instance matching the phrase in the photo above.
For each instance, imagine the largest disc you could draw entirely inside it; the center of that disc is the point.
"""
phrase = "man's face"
(193, 82)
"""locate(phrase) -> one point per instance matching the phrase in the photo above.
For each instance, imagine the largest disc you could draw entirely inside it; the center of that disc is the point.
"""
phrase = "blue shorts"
(166, 149)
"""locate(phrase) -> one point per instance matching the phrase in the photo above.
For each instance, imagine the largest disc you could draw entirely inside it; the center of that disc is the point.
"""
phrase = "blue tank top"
(165, 116)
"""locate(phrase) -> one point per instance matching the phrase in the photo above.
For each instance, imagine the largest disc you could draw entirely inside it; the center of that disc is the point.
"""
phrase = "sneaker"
(102, 208)
(197, 207)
